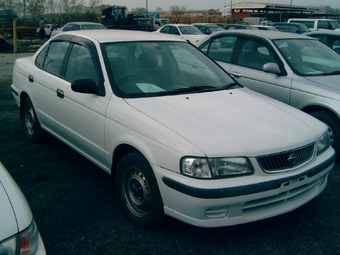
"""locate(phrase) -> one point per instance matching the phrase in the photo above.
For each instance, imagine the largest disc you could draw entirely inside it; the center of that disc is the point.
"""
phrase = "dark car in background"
(296, 28)
(330, 38)
(208, 28)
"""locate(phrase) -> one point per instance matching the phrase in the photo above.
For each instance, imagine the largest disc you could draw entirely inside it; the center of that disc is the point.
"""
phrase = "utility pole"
(146, 7)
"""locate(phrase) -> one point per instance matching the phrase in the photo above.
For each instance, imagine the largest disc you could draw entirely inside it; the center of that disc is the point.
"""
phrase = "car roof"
(82, 22)
(179, 25)
(206, 24)
(113, 35)
(271, 35)
(324, 32)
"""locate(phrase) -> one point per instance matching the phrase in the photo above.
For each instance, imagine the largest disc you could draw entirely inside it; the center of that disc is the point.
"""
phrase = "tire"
(32, 127)
(333, 124)
(138, 191)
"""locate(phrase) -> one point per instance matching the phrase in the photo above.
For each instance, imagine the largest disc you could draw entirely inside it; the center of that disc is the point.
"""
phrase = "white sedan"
(179, 135)
(185, 31)
(18, 231)
(72, 26)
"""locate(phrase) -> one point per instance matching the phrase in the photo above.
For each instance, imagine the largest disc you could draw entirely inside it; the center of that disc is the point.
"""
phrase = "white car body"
(178, 30)
(235, 124)
(317, 24)
(15, 218)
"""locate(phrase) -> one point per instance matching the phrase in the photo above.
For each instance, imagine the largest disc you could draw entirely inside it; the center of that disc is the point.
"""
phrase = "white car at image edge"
(18, 231)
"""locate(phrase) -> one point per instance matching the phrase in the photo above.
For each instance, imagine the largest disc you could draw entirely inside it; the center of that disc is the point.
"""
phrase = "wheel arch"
(119, 152)
(314, 108)
(23, 97)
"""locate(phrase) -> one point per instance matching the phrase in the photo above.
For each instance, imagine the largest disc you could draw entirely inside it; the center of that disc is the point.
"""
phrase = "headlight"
(323, 143)
(208, 168)
(26, 241)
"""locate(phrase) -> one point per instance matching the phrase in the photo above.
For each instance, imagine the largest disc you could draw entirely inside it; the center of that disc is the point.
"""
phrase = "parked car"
(180, 136)
(296, 28)
(266, 27)
(185, 31)
(48, 30)
(295, 69)
(317, 24)
(72, 26)
(238, 26)
(329, 38)
(18, 233)
(208, 28)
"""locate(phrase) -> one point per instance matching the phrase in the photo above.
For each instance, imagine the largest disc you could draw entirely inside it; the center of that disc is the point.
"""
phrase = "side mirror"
(271, 68)
(85, 85)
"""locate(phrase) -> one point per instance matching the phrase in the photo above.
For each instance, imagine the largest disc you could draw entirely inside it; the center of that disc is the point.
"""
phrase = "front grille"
(287, 159)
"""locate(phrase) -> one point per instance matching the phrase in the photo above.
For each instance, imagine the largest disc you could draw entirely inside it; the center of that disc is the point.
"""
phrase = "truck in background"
(257, 21)
(158, 22)
(117, 17)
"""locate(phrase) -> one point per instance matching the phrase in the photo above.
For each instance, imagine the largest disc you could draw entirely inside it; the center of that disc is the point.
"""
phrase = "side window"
(221, 48)
(51, 58)
(323, 24)
(68, 27)
(174, 31)
(80, 64)
(254, 54)
(165, 30)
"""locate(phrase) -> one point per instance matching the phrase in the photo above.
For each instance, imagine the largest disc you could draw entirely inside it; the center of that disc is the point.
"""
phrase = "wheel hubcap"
(30, 121)
(137, 193)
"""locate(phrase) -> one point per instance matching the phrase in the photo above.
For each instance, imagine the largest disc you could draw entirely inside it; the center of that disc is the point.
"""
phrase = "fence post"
(15, 36)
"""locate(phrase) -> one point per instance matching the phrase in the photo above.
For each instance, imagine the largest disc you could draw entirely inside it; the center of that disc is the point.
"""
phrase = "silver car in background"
(295, 69)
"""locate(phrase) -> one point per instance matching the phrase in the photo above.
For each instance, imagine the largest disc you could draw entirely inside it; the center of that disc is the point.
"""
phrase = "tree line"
(63, 11)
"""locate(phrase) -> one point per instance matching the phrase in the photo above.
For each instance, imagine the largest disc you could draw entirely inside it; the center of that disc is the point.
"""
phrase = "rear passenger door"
(44, 79)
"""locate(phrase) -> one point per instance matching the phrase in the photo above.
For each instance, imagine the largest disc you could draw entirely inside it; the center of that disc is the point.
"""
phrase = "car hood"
(15, 213)
(330, 83)
(232, 122)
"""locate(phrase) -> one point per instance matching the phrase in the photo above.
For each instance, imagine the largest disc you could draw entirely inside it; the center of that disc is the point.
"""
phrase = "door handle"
(60, 93)
(236, 75)
(31, 78)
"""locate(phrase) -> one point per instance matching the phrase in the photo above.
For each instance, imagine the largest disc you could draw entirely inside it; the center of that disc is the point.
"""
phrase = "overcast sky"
(209, 4)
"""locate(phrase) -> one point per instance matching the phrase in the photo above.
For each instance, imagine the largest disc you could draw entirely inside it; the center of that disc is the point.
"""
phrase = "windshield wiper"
(186, 90)
(332, 73)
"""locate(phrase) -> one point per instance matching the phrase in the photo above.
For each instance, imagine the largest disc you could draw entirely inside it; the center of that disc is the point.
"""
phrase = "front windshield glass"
(309, 57)
(190, 30)
(146, 69)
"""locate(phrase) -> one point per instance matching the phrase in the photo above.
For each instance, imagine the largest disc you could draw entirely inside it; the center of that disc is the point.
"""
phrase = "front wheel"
(333, 124)
(32, 127)
(138, 191)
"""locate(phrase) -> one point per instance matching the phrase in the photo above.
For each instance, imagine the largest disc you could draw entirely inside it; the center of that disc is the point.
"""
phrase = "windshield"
(309, 57)
(145, 69)
(190, 30)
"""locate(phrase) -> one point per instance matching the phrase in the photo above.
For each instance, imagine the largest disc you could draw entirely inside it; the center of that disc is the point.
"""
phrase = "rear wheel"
(138, 191)
(32, 127)
(333, 124)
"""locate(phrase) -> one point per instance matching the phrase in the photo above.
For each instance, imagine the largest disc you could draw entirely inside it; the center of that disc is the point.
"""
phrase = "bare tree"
(177, 10)
(36, 9)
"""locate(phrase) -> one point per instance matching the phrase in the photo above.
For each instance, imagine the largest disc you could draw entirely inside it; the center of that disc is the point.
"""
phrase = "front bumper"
(225, 202)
